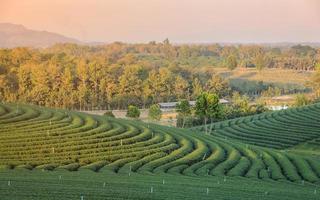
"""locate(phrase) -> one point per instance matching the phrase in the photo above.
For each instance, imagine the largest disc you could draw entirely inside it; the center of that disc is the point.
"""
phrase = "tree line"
(116, 75)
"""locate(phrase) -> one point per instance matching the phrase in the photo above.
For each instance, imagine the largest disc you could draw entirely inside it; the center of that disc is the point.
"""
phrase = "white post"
(104, 184)
(204, 156)
(315, 191)
(151, 190)
(162, 181)
(224, 179)
(9, 183)
(81, 197)
(60, 177)
(207, 191)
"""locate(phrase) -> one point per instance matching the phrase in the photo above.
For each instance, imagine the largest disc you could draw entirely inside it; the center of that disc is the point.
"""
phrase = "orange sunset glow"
(179, 20)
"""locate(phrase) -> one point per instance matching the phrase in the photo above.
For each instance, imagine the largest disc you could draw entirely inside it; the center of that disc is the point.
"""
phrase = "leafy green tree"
(133, 112)
(207, 107)
(155, 112)
(301, 100)
(240, 103)
(231, 62)
(183, 109)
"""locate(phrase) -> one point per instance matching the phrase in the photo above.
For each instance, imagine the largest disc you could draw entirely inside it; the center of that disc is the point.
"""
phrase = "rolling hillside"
(41, 138)
(58, 154)
(289, 129)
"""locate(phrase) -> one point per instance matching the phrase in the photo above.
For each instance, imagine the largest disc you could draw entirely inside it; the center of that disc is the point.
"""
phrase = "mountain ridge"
(16, 35)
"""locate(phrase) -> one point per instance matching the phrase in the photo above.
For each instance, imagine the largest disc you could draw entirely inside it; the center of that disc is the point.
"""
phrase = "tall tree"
(181, 89)
(207, 107)
(155, 112)
(183, 110)
(133, 112)
(315, 81)
(231, 62)
(131, 84)
(218, 86)
(197, 88)
(41, 85)
(83, 89)
(260, 61)
(68, 90)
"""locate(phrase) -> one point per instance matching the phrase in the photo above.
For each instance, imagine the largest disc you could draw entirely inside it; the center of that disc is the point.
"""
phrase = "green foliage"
(240, 103)
(155, 112)
(253, 88)
(60, 140)
(183, 109)
(109, 114)
(133, 112)
(231, 62)
(138, 186)
(315, 81)
(260, 61)
(207, 106)
(186, 121)
(301, 100)
(218, 86)
(116, 75)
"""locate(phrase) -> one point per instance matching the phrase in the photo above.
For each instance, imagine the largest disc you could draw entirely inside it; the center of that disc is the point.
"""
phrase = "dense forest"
(116, 75)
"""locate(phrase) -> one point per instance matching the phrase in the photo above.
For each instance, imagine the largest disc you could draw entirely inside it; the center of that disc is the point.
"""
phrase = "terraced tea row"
(280, 130)
(40, 138)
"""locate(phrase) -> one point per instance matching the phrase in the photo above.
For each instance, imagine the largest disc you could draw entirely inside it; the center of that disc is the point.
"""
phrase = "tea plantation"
(58, 154)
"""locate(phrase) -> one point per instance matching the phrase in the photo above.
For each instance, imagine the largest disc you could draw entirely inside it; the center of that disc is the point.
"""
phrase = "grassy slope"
(48, 185)
(291, 129)
(189, 164)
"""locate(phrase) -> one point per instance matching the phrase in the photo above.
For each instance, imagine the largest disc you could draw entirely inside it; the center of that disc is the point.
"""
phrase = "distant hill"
(13, 35)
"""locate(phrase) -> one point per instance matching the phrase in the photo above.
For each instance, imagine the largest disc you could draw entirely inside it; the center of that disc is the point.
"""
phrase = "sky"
(182, 21)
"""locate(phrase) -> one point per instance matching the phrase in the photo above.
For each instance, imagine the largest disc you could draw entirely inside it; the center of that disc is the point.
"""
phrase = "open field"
(252, 81)
(267, 75)
(35, 140)
(168, 117)
(65, 185)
